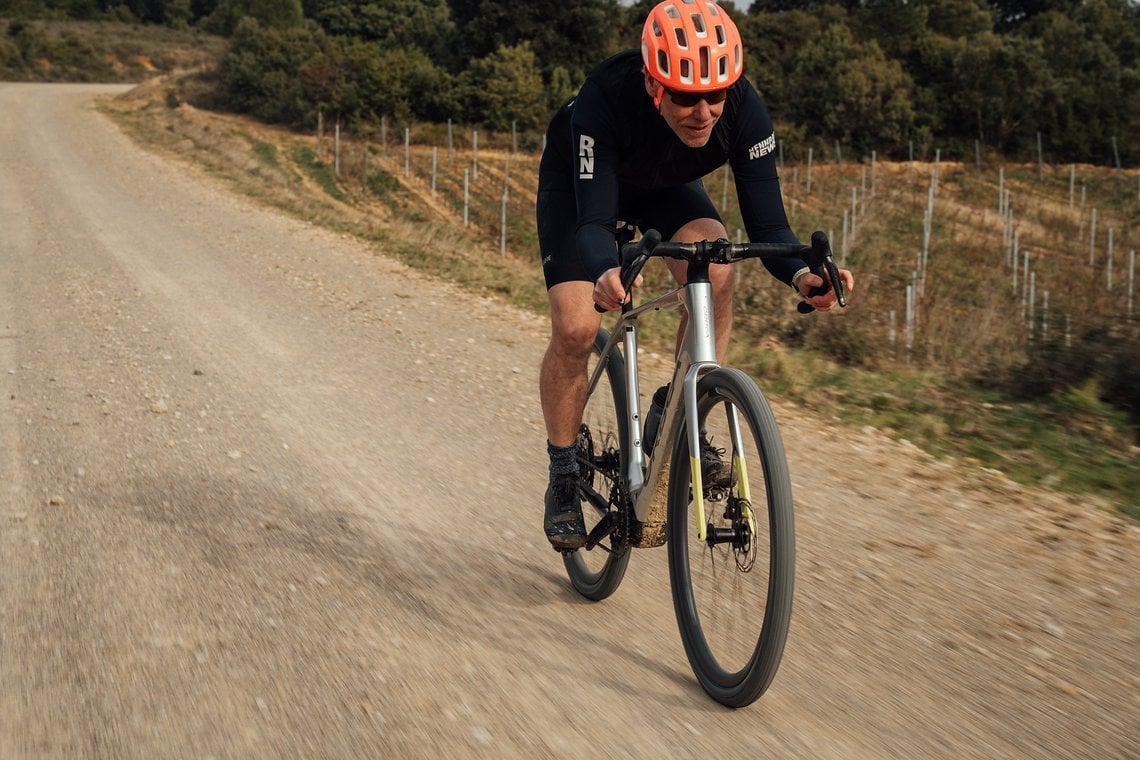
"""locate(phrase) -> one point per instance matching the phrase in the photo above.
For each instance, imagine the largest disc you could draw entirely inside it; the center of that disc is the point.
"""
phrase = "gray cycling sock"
(563, 460)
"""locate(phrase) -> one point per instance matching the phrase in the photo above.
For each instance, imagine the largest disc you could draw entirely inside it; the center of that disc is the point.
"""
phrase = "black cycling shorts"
(666, 210)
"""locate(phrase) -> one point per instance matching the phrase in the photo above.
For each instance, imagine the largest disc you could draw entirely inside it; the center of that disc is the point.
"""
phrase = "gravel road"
(266, 493)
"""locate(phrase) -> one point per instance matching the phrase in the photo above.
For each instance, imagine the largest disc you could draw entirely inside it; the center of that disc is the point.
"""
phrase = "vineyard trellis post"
(874, 174)
(320, 132)
(1032, 304)
(843, 245)
(1092, 237)
(1025, 274)
(503, 224)
(475, 154)
(1108, 262)
(1013, 251)
(808, 192)
(863, 192)
(1131, 279)
(1002, 197)
(910, 315)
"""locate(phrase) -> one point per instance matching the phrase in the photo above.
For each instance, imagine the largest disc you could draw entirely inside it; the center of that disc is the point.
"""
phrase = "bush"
(1107, 357)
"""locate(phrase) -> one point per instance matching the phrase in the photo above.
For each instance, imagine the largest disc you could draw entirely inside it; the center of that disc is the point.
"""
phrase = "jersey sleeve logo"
(762, 148)
(585, 157)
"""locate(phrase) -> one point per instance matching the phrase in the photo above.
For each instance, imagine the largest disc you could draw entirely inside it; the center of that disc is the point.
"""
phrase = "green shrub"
(1102, 357)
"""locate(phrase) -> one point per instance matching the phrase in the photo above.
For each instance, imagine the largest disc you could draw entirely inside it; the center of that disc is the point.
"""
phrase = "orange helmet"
(691, 46)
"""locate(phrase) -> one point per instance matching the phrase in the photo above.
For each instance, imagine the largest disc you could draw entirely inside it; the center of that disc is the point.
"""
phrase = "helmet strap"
(659, 96)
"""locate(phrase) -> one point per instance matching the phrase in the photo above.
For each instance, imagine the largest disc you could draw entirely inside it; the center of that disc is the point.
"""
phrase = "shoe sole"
(567, 543)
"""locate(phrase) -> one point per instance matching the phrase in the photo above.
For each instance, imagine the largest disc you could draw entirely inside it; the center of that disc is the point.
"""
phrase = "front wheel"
(732, 590)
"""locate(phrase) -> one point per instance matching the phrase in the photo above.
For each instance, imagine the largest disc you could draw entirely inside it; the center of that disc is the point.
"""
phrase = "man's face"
(692, 124)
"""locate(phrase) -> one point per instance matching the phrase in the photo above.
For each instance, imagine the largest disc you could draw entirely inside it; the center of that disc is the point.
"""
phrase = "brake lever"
(633, 257)
(822, 265)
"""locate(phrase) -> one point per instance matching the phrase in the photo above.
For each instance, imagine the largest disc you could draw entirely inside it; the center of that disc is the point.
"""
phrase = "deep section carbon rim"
(596, 571)
(733, 590)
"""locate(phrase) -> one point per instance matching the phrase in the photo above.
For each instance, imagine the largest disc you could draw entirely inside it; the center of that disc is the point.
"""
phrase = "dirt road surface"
(266, 493)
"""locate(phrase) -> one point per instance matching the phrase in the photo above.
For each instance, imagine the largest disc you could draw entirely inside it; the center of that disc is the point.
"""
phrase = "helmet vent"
(663, 63)
(699, 25)
(704, 64)
(721, 35)
(682, 40)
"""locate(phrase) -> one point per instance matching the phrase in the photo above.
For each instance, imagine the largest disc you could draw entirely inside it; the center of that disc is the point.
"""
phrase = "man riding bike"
(633, 145)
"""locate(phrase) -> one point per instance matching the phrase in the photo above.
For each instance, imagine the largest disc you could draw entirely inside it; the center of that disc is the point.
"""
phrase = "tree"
(771, 43)
(575, 34)
(261, 72)
(1005, 83)
(506, 87)
(374, 80)
(1092, 89)
(274, 14)
(425, 24)
(849, 90)
(562, 87)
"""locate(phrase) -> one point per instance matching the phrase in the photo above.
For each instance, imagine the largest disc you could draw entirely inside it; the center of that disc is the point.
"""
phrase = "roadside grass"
(317, 170)
(1072, 443)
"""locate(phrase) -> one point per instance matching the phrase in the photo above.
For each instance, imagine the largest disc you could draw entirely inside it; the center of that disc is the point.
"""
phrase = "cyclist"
(633, 145)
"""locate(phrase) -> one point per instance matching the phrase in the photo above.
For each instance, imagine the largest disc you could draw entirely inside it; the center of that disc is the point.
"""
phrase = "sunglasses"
(691, 99)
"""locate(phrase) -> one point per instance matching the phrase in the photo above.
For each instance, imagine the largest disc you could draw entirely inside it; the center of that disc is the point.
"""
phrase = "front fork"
(741, 495)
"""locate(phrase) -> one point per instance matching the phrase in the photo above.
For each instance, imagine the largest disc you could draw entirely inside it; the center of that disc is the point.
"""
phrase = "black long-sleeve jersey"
(610, 139)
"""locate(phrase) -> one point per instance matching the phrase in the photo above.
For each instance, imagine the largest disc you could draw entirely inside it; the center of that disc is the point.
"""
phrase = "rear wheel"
(596, 570)
(732, 591)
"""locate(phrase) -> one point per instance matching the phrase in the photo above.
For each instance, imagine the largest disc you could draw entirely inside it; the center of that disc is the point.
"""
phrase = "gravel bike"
(713, 483)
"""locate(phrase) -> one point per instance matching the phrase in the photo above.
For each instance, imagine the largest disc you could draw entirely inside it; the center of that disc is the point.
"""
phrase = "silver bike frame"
(646, 481)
